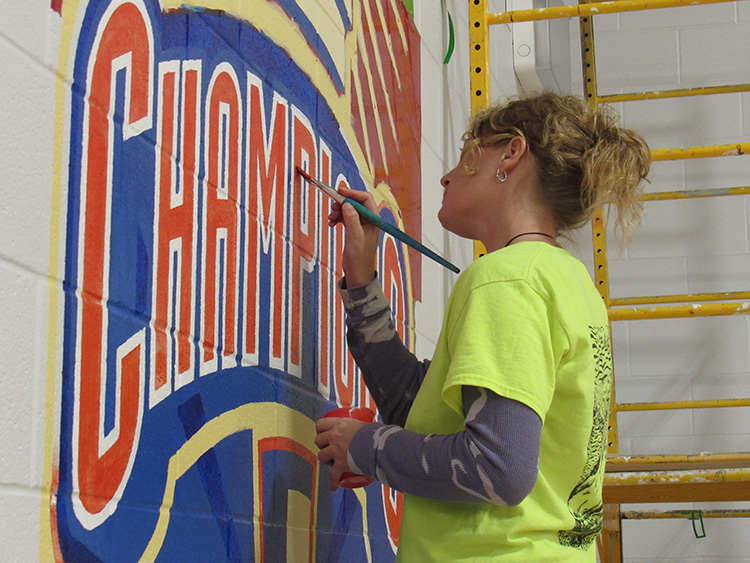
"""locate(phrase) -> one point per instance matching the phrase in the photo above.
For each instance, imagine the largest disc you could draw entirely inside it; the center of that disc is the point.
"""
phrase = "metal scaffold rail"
(677, 311)
(676, 93)
(688, 194)
(678, 405)
(684, 298)
(684, 514)
(624, 463)
(687, 485)
(649, 478)
(591, 9)
(734, 149)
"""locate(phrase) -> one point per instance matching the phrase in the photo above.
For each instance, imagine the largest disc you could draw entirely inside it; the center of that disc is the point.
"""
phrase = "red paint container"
(353, 480)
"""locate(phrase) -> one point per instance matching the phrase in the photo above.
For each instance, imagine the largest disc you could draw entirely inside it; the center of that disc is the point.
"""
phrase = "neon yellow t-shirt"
(526, 322)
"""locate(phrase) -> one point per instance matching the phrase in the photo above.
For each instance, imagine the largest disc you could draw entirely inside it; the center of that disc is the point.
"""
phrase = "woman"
(498, 444)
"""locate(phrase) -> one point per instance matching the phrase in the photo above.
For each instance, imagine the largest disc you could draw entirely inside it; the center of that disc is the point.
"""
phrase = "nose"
(444, 181)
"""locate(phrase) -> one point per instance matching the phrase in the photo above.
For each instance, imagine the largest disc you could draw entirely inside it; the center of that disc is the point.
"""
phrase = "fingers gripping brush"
(377, 220)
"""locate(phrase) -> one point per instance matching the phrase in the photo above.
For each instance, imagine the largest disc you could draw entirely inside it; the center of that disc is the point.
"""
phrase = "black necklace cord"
(524, 234)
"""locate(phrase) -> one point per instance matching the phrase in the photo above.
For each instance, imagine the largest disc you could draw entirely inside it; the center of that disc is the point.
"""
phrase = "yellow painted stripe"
(362, 497)
(389, 42)
(264, 419)
(379, 64)
(362, 116)
(70, 10)
(270, 19)
(399, 24)
(370, 80)
(330, 27)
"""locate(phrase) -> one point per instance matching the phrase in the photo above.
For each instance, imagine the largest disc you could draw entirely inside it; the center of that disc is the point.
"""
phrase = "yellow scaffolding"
(655, 478)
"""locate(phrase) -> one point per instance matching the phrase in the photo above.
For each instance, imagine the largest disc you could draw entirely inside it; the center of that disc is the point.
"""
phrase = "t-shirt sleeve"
(499, 337)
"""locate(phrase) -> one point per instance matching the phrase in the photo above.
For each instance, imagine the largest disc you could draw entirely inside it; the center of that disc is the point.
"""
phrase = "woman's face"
(466, 195)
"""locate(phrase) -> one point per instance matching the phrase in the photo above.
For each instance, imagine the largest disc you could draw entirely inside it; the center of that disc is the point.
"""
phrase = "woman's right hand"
(360, 239)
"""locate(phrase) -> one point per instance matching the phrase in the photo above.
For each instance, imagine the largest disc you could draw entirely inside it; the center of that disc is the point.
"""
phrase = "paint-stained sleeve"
(494, 460)
(391, 372)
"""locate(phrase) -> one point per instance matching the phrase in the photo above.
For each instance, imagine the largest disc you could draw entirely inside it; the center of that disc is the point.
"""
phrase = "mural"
(200, 332)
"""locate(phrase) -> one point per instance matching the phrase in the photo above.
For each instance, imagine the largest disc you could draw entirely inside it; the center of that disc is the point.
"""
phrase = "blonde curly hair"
(584, 158)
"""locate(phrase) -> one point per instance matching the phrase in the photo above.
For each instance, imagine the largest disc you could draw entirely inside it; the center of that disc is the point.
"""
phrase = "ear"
(512, 153)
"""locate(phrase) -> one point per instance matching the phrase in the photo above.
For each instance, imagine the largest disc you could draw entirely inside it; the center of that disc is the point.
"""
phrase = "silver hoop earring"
(497, 175)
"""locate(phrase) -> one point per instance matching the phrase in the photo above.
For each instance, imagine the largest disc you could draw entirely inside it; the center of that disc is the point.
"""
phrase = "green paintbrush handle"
(381, 223)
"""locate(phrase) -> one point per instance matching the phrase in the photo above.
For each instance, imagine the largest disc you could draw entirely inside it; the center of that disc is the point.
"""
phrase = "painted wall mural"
(200, 334)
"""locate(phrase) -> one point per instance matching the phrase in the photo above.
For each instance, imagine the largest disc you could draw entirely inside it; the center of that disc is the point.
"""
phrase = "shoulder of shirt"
(523, 269)
(529, 262)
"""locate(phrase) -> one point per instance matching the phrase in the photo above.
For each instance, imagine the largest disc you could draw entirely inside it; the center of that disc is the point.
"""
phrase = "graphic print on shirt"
(585, 501)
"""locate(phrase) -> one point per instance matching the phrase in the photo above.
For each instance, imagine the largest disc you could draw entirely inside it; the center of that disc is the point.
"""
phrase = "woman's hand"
(334, 435)
(361, 238)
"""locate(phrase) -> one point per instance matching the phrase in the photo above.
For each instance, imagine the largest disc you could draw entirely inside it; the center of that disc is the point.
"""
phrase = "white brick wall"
(28, 57)
(445, 110)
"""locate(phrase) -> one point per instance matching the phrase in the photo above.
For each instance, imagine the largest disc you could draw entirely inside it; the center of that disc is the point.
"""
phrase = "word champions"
(198, 249)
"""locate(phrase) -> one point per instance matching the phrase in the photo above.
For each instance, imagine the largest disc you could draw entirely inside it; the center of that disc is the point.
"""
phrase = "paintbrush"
(377, 220)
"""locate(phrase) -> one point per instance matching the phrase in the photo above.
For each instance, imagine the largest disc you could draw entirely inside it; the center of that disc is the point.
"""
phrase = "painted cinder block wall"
(227, 467)
(683, 246)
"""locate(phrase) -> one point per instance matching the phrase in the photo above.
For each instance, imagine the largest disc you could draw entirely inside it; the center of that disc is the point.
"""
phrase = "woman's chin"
(454, 227)
(441, 218)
